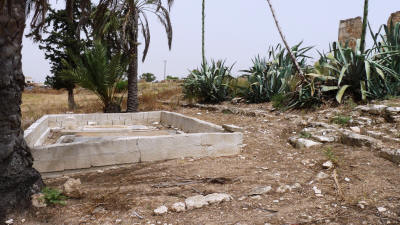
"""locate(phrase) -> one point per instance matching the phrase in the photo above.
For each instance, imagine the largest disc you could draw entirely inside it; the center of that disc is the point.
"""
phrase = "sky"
(236, 31)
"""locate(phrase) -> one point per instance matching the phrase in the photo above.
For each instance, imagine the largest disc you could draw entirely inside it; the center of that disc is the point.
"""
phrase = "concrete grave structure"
(79, 141)
(349, 31)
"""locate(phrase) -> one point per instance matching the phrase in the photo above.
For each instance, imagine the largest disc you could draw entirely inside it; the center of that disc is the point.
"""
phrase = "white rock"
(355, 129)
(38, 201)
(347, 179)
(260, 190)
(303, 143)
(217, 198)
(161, 210)
(283, 188)
(72, 188)
(196, 202)
(178, 207)
(382, 209)
(118, 221)
(23, 220)
(317, 191)
(321, 175)
(327, 165)
(324, 139)
(10, 221)
(275, 201)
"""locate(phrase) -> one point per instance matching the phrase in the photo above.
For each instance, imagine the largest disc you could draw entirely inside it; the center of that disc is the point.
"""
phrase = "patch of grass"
(53, 196)
(341, 120)
(328, 152)
(304, 134)
(279, 101)
(350, 104)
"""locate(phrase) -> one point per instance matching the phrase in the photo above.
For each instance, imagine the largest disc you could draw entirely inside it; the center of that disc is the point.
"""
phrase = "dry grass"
(37, 103)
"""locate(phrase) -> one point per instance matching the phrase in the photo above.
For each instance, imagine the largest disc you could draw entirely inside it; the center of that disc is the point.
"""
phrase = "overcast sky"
(236, 30)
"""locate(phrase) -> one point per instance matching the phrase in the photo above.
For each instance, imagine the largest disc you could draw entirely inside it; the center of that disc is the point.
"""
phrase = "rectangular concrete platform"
(193, 138)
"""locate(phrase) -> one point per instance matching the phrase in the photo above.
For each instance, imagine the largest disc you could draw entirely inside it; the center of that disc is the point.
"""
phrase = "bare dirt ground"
(129, 195)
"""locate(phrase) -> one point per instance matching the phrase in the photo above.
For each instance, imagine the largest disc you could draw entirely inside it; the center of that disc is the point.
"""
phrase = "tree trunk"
(203, 17)
(71, 100)
(285, 42)
(133, 101)
(364, 27)
(112, 108)
(18, 180)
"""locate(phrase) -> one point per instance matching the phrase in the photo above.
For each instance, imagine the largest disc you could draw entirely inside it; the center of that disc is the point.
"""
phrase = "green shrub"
(209, 84)
(341, 120)
(53, 196)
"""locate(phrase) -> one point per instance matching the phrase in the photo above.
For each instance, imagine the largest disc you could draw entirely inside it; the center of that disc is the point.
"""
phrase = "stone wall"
(349, 31)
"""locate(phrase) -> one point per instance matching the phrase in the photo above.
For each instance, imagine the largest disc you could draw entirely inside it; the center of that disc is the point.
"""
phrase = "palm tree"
(100, 73)
(18, 180)
(134, 18)
(203, 16)
(285, 42)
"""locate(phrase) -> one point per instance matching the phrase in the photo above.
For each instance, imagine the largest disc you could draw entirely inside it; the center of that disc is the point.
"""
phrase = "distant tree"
(100, 73)
(62, 36)
(134, 20)
(172, 78)
(148, 77)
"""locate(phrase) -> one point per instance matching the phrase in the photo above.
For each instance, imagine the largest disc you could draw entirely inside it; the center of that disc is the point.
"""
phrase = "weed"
(331, 155)
(341, 120)
(278, 101)
(304, 134)
(54, 196)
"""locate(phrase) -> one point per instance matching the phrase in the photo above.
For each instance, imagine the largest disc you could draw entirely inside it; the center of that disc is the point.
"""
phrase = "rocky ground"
(330, 166)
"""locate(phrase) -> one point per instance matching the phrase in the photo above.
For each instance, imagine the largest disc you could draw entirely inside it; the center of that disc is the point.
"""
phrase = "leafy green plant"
(209, 84)
(341, 120)
(275, 76)
(100, 73)
(331, 155)
(53, 196)
(388, 50)
(304, 134)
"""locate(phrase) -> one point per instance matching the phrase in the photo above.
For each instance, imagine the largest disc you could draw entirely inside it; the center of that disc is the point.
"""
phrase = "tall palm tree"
(18, 180)
(285, 42)
(134, 18)
(203, 17)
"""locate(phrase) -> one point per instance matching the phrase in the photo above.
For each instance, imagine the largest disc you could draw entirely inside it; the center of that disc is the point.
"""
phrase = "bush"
(275, 76)
(53, 196)
(209, 84)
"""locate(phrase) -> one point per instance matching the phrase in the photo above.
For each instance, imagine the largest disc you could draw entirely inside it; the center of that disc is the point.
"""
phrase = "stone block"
(170, 147)
(349, 31)
(72, 163)
(48, 166)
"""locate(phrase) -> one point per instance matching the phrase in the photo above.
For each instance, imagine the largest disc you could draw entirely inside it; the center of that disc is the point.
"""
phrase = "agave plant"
(388, 50)
(275, 76)
(100, 73)
(209, 84)
(363, 74)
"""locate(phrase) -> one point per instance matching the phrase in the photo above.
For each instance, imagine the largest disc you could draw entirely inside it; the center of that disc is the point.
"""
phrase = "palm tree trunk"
(364, 27)
(203, 16)
(71, 100)
(133, 102)
(285, 42)
(18, 180)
